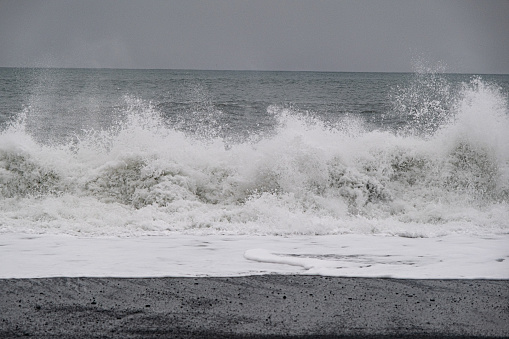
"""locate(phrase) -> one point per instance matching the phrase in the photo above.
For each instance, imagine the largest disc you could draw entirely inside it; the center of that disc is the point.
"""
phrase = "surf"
(146, 174)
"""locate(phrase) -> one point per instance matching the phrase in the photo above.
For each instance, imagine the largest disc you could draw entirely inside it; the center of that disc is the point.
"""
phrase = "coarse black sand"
(270, 306)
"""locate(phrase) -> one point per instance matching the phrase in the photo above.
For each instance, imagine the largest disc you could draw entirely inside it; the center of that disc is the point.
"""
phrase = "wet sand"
(256, 306)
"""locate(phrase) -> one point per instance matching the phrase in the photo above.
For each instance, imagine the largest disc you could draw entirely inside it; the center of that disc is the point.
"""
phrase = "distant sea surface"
(155, 152)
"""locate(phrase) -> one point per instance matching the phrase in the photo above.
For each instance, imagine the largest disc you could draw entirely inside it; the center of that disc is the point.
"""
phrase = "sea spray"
(446, 172)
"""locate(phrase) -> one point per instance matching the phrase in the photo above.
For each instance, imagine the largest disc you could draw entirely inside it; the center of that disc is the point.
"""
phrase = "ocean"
(183, 172)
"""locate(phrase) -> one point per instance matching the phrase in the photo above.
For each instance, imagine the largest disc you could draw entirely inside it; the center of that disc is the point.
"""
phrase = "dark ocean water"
(150, 151)
(62, 102)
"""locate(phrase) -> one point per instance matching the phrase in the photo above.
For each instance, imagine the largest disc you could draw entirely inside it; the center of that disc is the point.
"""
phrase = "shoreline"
(253, 306)
(180, 255)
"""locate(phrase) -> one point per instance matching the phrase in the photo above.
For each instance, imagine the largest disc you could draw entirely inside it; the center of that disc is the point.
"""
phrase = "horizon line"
(235, 70)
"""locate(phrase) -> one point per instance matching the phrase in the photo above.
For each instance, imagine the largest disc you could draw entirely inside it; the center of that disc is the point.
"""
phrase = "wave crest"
(143, 175)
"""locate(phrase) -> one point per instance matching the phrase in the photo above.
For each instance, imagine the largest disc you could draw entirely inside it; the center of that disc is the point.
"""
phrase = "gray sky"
(390, 35)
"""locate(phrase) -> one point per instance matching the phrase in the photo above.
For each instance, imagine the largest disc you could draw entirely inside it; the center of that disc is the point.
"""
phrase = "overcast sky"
(466, 36)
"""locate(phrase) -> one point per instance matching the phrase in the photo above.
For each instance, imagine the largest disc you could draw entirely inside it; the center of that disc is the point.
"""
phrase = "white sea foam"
(143, 177)
(150, 197)
(448, 257)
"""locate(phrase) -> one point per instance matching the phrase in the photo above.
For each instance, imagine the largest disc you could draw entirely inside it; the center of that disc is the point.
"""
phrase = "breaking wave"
(145, 176)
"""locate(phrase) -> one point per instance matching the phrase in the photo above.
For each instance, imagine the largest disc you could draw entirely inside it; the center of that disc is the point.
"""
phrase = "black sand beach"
(256, 306)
